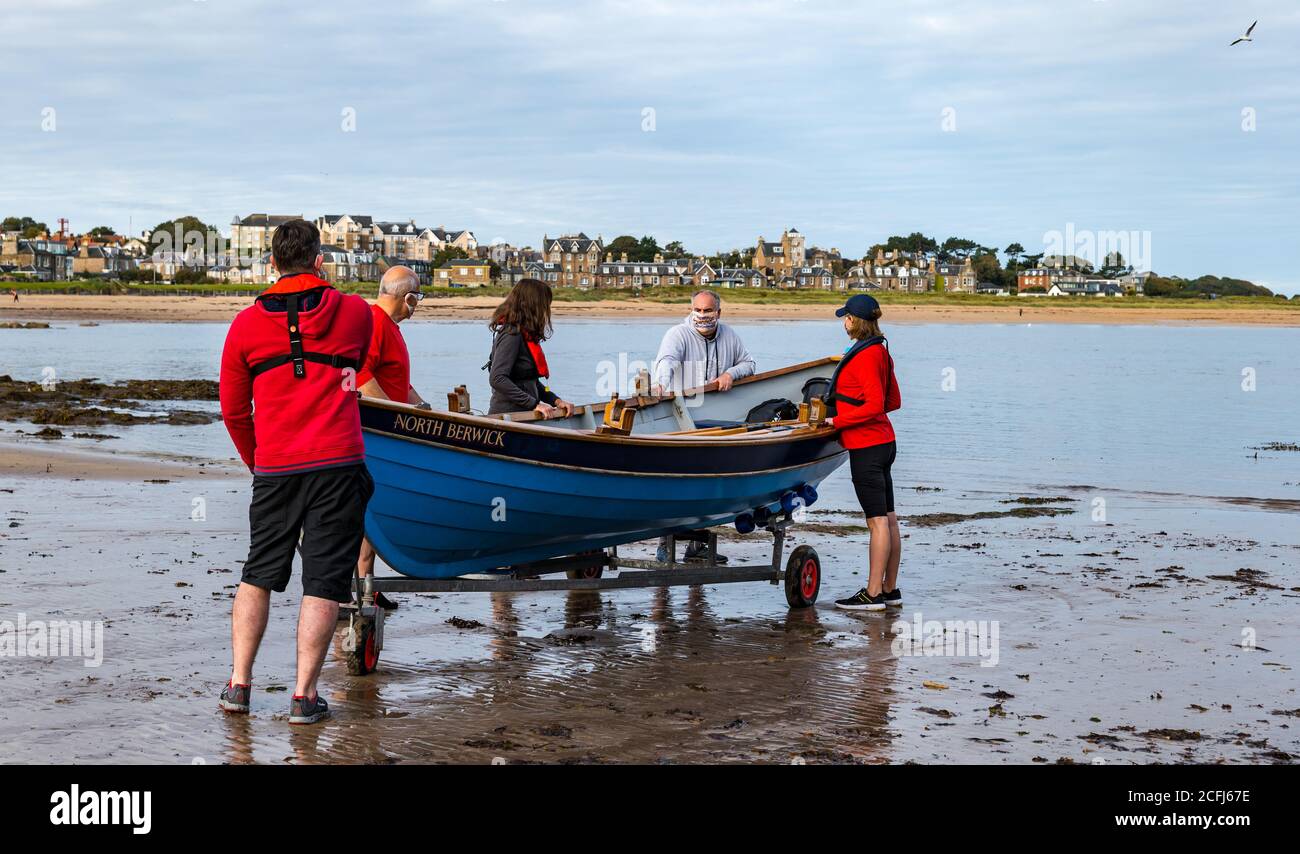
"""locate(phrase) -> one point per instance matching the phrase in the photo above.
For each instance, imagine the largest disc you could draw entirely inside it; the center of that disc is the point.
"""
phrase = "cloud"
(524, 116)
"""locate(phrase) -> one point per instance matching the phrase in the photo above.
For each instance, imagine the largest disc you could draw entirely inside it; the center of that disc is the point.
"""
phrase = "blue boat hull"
(455, 494)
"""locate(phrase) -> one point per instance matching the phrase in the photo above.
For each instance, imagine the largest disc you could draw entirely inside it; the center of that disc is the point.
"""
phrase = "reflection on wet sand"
(1154, 602)
(676, 684)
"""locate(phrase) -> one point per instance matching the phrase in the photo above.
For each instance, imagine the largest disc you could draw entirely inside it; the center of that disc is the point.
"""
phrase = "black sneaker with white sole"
(699, 553)
(862, 601)
(305, 711)
(894, 597)
(234, 698)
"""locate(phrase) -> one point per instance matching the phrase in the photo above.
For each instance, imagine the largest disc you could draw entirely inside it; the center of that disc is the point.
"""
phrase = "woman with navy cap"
(863, 389)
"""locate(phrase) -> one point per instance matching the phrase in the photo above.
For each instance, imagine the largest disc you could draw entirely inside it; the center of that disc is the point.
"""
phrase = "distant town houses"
(1034, 279)
(103, 259)
(954, 277)
(464, 273)
(902, 277)
(1072, 280)
(811, 277)
(779, 258)
(44, 260)
(638, 274)
(576, 255)
(737, 277)
(423, 270)
(349, 232)
(859, 277)
(251, 235)
(360, 248)
(506, 256)
(347, 265)
(1086, 287)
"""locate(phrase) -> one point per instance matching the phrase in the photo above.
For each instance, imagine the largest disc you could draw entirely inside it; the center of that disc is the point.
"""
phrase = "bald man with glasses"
(386, 373)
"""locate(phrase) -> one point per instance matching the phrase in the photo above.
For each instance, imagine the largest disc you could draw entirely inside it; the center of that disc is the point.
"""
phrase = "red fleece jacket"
(865, 379)
(280, 424)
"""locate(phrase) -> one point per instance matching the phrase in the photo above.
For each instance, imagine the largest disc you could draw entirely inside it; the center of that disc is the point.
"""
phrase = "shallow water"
(1116, 621)
(1007, 407)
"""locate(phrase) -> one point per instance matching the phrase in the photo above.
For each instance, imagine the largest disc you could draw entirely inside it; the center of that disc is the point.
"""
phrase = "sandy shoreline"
(179, 309)
(37, 458)
(1120, 643)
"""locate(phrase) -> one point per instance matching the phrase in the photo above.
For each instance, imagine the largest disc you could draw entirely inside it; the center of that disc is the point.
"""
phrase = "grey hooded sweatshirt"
(687, 359)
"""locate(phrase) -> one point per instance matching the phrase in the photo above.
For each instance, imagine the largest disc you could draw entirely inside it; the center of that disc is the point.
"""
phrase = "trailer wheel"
(592, 570)
(365, 657)
(803, 577)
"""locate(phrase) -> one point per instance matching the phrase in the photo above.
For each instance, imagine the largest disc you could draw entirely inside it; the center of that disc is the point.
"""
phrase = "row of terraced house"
(358, 248)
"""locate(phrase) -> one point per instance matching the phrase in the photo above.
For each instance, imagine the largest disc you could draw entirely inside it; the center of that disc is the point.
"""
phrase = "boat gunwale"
(653, 439)
(618, 472)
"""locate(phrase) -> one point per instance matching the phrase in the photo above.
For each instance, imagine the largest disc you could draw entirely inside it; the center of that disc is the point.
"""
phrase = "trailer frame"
(801, 574)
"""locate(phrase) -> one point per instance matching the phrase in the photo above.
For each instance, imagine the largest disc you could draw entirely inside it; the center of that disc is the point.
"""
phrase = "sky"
(712, 122)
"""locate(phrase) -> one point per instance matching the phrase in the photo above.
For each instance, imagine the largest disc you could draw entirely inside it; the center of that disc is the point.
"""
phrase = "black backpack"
(816, 387)
(776, 409)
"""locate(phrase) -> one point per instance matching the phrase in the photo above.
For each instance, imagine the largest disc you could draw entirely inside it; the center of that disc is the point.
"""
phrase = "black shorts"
(872, 478)
(328, 508)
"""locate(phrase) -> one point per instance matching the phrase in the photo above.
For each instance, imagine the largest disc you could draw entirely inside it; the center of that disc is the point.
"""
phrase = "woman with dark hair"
(863, 389)
(517, 366)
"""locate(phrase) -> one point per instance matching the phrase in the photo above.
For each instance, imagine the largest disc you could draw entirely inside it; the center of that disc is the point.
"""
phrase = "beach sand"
(1116, 642)
(176, 309)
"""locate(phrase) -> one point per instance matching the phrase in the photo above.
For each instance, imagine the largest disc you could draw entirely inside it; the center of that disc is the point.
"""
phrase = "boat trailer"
(801, 575)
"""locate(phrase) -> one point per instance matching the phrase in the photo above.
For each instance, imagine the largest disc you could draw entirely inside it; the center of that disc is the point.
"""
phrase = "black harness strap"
(333, 361)
(295, 337)
(833, 395)
(296, 354)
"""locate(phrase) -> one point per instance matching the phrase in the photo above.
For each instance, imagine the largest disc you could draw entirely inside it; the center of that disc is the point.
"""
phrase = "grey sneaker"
(234, 698)
(305, 711)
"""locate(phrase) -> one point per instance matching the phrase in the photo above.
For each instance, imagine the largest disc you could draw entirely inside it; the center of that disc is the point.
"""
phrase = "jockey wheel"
(803, 577)
(363, 658)
(595, 569)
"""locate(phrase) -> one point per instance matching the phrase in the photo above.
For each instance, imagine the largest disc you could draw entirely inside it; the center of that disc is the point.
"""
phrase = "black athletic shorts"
(328, 508)
(872, 479)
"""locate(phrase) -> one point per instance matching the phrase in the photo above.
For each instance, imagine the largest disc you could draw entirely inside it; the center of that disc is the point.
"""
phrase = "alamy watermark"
(82, 639)
(1100, 248)
(688, 380)
(949, 639)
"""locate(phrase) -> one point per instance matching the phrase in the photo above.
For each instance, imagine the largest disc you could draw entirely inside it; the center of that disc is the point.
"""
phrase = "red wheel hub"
(371, 654)
(808, 578)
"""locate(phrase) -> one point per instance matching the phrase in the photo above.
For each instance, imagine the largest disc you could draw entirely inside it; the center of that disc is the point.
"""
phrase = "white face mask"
(704, 322)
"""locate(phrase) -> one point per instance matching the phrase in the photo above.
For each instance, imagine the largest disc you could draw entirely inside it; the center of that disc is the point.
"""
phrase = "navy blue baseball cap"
(859, 305)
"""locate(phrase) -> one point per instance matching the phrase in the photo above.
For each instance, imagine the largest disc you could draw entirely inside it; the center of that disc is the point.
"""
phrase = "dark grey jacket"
(512, 374)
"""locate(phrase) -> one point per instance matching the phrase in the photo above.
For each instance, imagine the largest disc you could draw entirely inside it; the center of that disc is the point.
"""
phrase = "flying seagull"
(1246, 37)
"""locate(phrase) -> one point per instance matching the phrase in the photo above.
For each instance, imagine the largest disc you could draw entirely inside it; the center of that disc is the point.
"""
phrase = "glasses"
(419, 295)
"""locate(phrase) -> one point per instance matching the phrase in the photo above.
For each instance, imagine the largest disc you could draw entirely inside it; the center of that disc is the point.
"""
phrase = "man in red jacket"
(289, 400)
(386, 371)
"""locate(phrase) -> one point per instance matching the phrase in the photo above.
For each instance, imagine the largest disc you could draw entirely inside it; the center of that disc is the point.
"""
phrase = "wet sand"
(1118, 641)
(177, 309)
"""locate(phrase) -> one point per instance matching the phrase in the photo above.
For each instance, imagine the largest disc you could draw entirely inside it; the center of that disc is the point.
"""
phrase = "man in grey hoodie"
(696, 352)
(701, 349)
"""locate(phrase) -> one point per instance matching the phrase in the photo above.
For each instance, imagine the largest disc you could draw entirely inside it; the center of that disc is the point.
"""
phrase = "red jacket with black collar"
(282, 424)
(868, 377)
